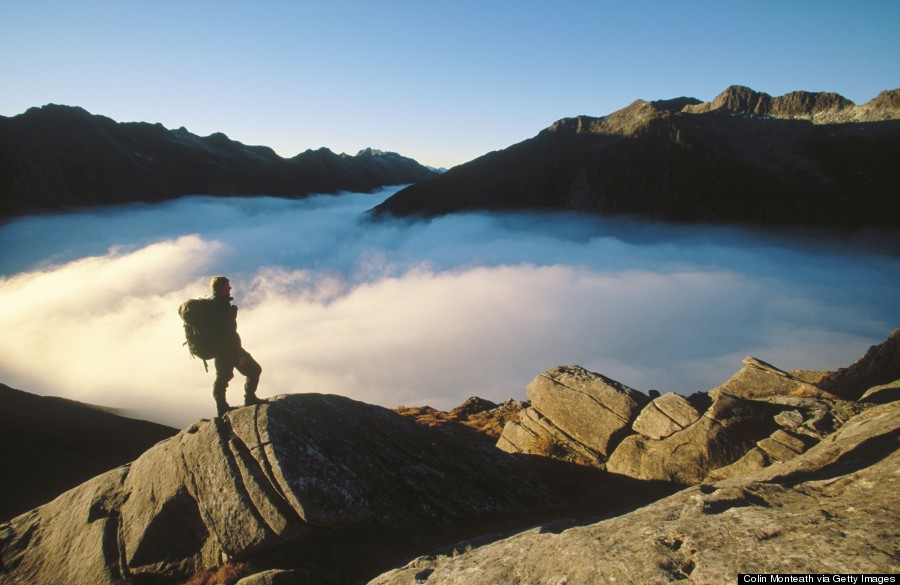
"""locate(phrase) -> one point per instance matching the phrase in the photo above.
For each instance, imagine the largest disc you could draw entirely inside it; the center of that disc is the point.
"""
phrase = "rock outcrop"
(61, 156)
(831, 510)
(757, 379)
(723, 434)
(573, 412)
(879, 367)
(295, 470)
(759, 416)
(665, 415)
(746, 157)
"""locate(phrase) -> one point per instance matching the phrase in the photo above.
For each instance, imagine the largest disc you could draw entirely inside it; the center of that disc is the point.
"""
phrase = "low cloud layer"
(421, 312)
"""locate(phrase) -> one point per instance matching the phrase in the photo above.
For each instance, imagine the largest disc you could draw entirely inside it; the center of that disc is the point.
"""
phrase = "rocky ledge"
(831, 510)
(327, 485)
(760, 416)
(778, 472)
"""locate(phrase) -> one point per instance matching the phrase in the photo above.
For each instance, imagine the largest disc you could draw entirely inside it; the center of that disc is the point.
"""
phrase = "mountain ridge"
(53, 444)
(745, 157)
(58, 156)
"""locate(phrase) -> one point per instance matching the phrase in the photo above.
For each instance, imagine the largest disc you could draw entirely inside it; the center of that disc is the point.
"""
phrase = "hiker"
(230, 354)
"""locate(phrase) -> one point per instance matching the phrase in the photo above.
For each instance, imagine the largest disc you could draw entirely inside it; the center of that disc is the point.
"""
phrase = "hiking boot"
(251, 400)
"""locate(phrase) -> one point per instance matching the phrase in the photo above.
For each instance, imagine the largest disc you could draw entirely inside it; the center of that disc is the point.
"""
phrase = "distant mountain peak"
(818, 107)
(623, 122)
(803, 158)
(58, 156)
(675, 104)
(373, 152)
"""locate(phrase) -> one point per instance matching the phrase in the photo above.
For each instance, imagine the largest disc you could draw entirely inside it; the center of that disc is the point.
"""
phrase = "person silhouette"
(230, 354)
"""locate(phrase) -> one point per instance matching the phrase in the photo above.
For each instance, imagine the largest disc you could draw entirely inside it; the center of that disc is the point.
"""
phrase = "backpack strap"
(205, 365)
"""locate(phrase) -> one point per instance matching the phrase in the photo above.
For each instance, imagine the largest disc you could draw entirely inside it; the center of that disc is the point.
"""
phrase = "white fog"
(406, 312)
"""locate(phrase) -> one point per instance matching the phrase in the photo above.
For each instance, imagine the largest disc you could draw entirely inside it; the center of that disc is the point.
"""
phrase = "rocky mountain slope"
(52, 444)
(333, 488)
(782, 475)
(59, 156)
(802, 158)
(831, 510)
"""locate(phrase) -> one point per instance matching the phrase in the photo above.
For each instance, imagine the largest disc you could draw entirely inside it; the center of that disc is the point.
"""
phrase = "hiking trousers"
(225, 372)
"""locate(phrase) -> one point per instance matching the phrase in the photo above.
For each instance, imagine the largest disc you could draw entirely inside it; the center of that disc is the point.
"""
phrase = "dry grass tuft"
(487, 424)
(227, 574)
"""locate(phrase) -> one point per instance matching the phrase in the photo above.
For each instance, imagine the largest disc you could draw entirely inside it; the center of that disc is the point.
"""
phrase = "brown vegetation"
(483, 417)
(227, 574)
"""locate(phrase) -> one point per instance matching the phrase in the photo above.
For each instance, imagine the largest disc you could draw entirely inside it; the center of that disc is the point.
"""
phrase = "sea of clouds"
(422, 312)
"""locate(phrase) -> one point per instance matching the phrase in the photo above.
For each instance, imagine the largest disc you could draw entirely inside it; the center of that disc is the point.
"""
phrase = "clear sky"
(440, 81)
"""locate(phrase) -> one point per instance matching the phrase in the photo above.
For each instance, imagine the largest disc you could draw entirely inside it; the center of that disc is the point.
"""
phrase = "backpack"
(199, 327)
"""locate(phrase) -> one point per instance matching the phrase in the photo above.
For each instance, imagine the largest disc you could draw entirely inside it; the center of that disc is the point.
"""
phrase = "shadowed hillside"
(61, 156)
(52, 444)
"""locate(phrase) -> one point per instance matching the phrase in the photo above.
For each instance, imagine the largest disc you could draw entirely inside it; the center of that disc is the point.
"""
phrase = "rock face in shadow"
(291, 471)
(879, 367)
(798, 159)
(831, 510)
(52, 444)
(60, 156)
(723, 434)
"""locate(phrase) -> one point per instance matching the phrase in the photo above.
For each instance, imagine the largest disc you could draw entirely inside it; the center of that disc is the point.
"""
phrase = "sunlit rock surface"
(833, 509)
(256, 479)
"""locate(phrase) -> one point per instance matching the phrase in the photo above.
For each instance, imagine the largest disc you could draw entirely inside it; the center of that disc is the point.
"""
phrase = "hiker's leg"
(224, 374)
(252, 370)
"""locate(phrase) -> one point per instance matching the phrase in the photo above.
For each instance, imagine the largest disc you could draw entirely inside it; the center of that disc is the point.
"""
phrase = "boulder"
(759, 416)
(584, 411)
(665, 415)
(757, 379)
(535, 434)
(831, 510)
(523, 435)
(722, 435)
(289, 471)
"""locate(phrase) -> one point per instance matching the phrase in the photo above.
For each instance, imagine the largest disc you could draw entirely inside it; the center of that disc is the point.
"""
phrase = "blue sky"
(442, 82)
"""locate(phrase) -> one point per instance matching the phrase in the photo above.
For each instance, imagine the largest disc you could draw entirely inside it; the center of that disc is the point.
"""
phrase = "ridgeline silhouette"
(746, 157)
(57, 156)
